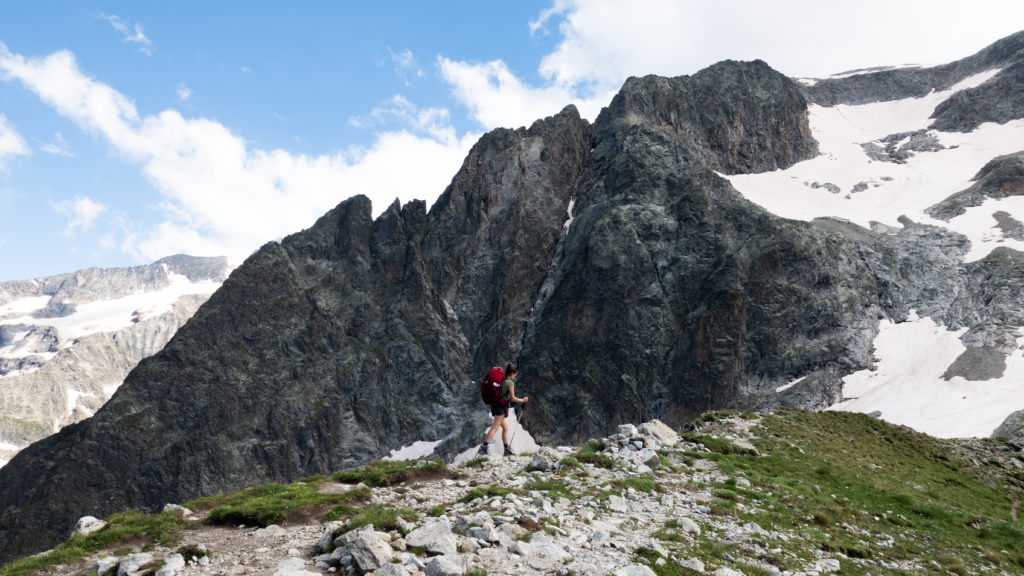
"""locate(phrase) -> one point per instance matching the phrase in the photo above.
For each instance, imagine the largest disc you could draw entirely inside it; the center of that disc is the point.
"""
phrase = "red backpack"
(491, 386)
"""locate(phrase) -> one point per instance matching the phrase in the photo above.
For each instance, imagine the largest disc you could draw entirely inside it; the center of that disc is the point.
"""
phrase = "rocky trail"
(644, 501)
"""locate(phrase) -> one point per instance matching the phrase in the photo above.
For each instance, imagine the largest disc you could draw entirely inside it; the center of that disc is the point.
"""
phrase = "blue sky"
(132, 131)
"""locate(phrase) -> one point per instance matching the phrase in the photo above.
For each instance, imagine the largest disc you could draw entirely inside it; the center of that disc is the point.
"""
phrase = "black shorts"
(499, 410)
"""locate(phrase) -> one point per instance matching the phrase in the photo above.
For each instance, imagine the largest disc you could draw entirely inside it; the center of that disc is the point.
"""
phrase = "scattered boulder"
(293, 567)
(435, 537)
(172, 564)
(754, 528)
(546, 547)
(389, 570)
(270, 531)
(692, 564)
(101, 565)
(723, 571)
(328, 535)
(88, 525)
(648, 457)
(441, 566)
(628, 430)
(131, 563)
(175, 508)
(600, 537)
(370, 552)
(688, 525)
(659, 431)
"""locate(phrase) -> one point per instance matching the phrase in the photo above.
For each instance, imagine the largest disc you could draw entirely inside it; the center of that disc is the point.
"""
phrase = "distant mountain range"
(68, 341)
(731, 239)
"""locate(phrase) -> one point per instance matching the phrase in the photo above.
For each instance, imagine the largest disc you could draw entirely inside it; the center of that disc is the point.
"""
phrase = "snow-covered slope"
(68, 341)
(880, 165)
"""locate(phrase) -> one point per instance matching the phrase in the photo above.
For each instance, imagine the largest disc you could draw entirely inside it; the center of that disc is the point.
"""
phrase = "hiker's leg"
(498, 421)
(504, 431)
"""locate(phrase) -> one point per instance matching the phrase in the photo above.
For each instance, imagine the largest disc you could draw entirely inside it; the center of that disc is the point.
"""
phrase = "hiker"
(499, 410)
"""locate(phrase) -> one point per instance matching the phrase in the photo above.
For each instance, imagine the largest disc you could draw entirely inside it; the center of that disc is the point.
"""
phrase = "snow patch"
(73, 396)
(25, 305)
(415, 451)
(785, 387)
(908, 387)
(572, 202)
(109, 390)
(12, 447)
(893, 190)
(111, 315)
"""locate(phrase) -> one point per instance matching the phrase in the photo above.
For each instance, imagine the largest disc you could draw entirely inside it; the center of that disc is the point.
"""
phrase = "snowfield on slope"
(893, 190)
(108, 315)
(908, 387)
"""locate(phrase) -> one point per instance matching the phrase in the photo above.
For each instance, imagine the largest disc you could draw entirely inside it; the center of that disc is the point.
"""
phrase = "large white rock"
(754, 528)
(524, 549)
(88, 525)
(326, 537)
(635, 570)
(370, 552)
(617, 504)
(441, 566)
(600, 537)
(176, 508)
(546, 547)
(390, 570)
(103, 564)
(508, 533)
(435, 537)
(293, 567)
(727, 572)
(647, 457)
(270, 531)
(659, 431)
(478, 519)
(688, 525)
(627, 430)
(692, 564)
(131, 563)
(827, 565)
(172, 564)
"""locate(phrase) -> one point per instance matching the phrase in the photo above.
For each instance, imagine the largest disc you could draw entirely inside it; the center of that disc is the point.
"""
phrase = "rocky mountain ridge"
(68, 341)
(616, 260)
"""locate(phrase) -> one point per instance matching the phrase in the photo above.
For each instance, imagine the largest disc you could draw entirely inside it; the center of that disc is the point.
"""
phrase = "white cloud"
(497, 98)
(11, 143)
(220, 196)
(405, 65)
(183, 92)
(603, 42)
(433, 121)
(59, 147)
(122, 27)
(246, 69)
(81, 212)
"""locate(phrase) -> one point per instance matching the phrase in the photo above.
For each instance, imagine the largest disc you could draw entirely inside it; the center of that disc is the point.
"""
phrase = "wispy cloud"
(146, 45)
(405, 65)
(246, 69)
(81, 213)
(221, 196)
(11, 143)
(184, 92)
(433, 121)
(59, 146)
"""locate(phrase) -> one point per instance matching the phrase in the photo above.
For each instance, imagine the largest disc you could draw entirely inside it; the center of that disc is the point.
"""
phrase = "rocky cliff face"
(635, 281)
(68, 341)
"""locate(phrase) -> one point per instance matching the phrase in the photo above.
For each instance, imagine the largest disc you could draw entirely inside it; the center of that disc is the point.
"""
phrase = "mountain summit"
(635, 266)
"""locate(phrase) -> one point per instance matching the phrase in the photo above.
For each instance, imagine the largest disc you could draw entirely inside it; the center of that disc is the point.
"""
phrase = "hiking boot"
(482, 451)
(509, 453)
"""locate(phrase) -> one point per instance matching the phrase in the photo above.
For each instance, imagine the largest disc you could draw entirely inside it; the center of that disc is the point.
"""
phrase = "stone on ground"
(692, 564)
(635, 570)
(88, 525)
(659, 431)
(370, 552)
(435, 537)
(441, 566)
(131, 563)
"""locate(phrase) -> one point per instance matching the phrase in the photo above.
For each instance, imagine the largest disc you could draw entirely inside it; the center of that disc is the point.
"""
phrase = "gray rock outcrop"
(52, 377)
(1012, 428)
(667, 294)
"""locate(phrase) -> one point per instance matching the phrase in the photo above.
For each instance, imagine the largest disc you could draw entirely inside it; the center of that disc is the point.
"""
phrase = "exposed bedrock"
(1001, 177)
(668, 294)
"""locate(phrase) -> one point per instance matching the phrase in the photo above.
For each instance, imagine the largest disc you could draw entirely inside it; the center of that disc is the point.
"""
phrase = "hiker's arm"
(512, 393)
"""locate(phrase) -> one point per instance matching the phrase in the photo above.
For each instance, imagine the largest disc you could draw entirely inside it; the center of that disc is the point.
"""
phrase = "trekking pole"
(519, 415)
